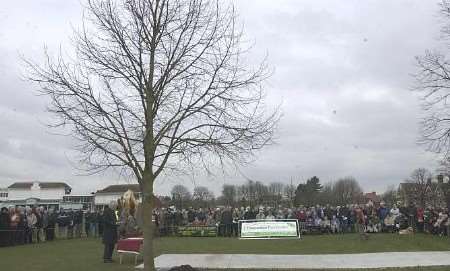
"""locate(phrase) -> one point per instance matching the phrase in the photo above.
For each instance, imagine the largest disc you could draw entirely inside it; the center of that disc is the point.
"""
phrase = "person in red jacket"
(360, 222)
(420, 219)
(301, 215)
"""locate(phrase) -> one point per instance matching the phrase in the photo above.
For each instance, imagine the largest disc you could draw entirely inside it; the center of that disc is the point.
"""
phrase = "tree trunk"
(148, 229)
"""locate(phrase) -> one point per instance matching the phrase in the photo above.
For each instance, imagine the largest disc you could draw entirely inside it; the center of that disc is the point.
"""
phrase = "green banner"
(269, 229)
(197, 231)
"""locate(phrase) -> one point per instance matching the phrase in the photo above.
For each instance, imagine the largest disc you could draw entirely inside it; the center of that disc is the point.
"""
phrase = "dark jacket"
(5, 221)
(411, 211)
(250, 215)
(382, 213)
(191, 216)
(109, 226)
(78, 218)
(62, 220)
(52, 218)
(227, 217)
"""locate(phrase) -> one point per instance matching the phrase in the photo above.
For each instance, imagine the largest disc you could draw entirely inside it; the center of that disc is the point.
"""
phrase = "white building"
(3, 197)
(114, 192)
(48, 194)
(78, 202)
(3, 194)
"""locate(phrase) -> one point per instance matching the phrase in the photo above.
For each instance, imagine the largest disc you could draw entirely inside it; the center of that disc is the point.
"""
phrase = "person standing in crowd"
(420, 219)
(39, 224)
(14, 221)
(395, 211)
(190, 215)
(411, 212)
(88, 216)
(179, 217)
(249, 214)
(210, 221)
(5, 222)
(334, 222)
(341, 218)
(70, 225)
(236, 218)
(45, 218)
(94, 223)
(63, 223)
(360, 222)
(280, 215)
(290, 214)
(31, 234)
(162, 222)
(269, 216)
(227, 221)
(50, 230)
(22, 226)
(382, 213)
(109, 222)
(131, 223)
(328, 211)
(100, 223)
(78, 223)
(201, 215)
(260, 215)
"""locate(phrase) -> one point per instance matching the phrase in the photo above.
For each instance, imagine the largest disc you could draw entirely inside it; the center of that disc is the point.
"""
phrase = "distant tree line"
(420, 188)
(255, 193)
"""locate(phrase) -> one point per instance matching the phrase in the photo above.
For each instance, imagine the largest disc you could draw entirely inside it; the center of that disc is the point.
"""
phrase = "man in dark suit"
(109, 221)
(5, 222)
(227, 221)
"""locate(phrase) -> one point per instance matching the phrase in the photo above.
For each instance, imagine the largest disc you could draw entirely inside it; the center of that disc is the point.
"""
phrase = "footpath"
(285, 262)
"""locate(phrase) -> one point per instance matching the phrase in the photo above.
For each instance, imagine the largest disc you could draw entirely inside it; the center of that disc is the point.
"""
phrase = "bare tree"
(158, 85)
(433, 82)
(261, 193)
(180, 195)
(275, 192)
(250, 190)
(202, 195)
(243, 195)
(229, 194)
(390, 195)
(327, 195)
(289, 192)
(420, 185)
(346, 190)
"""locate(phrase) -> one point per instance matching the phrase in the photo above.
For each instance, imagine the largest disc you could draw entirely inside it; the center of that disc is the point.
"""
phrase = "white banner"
(269, 228)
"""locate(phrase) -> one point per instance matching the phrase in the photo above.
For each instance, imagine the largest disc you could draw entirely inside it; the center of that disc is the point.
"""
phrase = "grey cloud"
(342, 70)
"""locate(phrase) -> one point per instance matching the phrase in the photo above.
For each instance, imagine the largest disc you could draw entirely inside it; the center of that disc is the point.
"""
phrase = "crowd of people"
(368, 218)
(27, 225)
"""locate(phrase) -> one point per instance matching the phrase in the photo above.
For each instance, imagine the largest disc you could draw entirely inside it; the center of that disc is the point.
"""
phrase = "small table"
(130, 246)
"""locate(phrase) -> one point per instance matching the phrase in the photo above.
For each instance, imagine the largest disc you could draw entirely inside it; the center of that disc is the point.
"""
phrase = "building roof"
(43, 185)
(24, 201)
(120, 188)
(21, 185)
(372, 196)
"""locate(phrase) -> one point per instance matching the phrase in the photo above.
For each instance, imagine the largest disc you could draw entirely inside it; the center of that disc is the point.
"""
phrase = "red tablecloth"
(130, 244)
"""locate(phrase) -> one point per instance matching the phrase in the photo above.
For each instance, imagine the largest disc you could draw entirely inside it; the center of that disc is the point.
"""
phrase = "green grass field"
(86, 254)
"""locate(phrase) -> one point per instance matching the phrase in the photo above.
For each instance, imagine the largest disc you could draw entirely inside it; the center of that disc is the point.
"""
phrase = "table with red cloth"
(130, 246)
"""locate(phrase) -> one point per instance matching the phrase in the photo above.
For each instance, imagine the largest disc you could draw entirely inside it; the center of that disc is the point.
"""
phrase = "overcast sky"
(341, 71)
